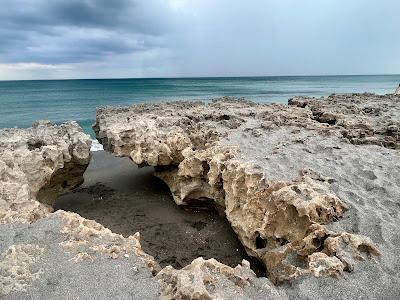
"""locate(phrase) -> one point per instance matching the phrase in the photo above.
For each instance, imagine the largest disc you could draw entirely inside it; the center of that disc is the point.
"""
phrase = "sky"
(58, 39)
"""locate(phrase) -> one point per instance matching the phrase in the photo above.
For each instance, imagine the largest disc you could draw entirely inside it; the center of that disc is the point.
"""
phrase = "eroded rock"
(226, 152)
(302, 185)
(17, 268)
(64, 256)
(209, 279)
(361, 118)
(59, 255)
(86, 238)
(38, 163)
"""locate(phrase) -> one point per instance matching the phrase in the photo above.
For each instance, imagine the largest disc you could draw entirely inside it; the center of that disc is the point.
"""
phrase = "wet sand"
(127, 199)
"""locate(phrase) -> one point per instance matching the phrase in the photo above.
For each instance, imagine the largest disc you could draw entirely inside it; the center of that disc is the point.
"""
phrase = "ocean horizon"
(24, 101)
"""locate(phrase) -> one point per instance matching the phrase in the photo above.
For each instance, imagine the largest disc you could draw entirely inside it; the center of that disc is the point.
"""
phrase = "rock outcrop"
(60, 255)
(286, 177)
(64, 256)
(37, 164)
(312, 189)
(209, 279)
(361, 118)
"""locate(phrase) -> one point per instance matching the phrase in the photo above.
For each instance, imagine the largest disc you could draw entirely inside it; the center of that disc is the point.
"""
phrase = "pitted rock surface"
(289, 178)
(64, 256)
(45, 255)
(60, 255)
(37, 164)
(312, 189)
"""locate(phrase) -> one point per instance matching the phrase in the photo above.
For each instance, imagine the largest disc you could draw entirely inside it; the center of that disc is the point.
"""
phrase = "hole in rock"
(260, 242)
(225, 117)
(32, 145)
(127, 199)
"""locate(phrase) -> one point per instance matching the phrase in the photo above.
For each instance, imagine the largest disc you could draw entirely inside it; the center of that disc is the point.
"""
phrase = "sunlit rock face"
(289, 178)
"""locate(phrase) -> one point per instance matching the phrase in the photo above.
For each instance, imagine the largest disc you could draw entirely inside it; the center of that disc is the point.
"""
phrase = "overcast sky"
(42, 39)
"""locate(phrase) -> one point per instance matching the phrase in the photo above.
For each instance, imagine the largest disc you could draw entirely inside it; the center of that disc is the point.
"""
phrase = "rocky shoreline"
(312, 190)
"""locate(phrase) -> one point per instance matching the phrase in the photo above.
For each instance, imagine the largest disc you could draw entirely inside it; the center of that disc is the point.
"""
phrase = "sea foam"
(96, 146)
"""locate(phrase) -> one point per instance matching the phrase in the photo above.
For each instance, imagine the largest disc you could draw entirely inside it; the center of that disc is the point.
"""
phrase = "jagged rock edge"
(327, 252)
(54, 159)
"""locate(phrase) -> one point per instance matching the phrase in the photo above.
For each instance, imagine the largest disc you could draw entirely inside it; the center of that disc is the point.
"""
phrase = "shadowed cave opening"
(127, 199)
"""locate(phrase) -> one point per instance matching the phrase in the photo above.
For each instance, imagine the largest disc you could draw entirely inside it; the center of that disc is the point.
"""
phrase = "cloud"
(77, 31)
(132, 15)
(163, 38)
(33, 66)
(290, 37)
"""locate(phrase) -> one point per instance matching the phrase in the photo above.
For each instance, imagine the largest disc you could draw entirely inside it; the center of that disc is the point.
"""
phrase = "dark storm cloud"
(70, 31)
(91, 13)
(141, 38)
(132, 15)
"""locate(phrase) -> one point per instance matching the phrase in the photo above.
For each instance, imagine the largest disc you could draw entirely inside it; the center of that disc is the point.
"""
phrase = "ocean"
(23, 102)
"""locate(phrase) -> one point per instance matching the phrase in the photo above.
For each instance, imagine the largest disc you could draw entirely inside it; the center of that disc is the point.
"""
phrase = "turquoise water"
(22, 102)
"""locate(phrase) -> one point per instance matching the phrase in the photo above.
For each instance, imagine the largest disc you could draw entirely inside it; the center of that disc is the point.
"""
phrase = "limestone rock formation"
(209, 279)
(288, 178)
(59, 255)
(312, 190)
(38, 163)
(64, 256)
(361, 118)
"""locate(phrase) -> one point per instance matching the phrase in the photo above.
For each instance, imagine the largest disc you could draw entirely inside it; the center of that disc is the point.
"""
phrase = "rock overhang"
(212, 151)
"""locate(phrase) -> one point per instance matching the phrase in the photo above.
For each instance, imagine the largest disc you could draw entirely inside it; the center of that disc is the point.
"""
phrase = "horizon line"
(199, 77)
